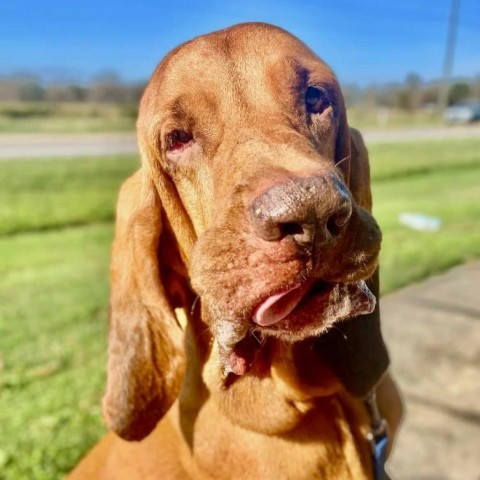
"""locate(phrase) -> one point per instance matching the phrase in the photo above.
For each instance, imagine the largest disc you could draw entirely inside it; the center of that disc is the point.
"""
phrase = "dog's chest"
(324, 446)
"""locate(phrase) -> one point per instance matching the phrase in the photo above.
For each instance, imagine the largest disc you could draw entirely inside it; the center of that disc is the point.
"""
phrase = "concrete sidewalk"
(51, 145)
(433, 332)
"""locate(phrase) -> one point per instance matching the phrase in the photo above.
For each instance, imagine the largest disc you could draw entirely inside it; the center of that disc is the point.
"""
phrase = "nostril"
(338, 220)
(333, 228)
(291, 228)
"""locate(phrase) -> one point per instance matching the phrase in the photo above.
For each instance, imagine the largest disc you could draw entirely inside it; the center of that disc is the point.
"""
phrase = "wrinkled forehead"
(250, 63)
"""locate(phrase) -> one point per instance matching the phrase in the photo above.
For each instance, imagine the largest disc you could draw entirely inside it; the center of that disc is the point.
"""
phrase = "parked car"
(463, 112)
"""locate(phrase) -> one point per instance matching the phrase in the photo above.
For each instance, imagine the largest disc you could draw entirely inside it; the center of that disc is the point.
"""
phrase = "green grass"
(375, 117)
(401, 160)
(437, 178)
(53, 308)
(52, 345)
(56, 230)
(62, 117)
(65, 117)
(409, 255)
(66, 125)
(38, 194)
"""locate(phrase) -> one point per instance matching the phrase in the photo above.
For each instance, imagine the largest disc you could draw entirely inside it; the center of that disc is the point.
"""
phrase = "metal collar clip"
(377, 437)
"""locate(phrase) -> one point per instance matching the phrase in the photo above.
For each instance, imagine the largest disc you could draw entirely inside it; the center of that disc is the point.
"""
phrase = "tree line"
(412, 94)
(105, 88)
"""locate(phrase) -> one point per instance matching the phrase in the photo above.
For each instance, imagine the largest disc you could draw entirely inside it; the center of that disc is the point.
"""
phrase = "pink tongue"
(277, 307)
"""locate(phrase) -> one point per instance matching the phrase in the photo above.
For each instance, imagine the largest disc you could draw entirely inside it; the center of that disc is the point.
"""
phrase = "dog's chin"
(296, 314)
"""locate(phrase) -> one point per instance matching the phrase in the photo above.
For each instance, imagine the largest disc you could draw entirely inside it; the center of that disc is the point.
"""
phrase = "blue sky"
(365, 41)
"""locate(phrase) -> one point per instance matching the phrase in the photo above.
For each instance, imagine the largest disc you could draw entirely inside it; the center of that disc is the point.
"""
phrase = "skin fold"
(252, 205)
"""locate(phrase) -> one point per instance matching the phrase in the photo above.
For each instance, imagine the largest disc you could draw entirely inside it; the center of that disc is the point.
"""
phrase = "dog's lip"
(278, 306)
(241, 356)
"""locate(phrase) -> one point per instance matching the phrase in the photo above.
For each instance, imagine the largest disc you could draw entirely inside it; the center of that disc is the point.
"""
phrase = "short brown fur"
(183, 229)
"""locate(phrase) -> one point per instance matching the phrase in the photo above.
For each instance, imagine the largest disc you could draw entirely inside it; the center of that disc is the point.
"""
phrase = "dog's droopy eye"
(178, 140)
(316, 100)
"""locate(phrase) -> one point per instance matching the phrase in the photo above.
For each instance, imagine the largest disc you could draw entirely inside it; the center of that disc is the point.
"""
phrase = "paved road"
(41, 145)
(70, 145)
(430, 133)
(433, 331)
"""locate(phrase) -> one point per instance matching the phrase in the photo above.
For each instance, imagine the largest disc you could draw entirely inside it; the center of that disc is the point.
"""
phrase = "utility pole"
(449, 55)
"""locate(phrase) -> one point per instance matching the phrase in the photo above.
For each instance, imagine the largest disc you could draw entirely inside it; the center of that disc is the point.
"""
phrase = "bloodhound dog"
(244, 329)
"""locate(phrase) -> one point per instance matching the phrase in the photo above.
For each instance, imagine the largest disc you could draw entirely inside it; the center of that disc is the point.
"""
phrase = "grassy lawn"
(401, 160)
(385, 118)
(64, 117)
(438, 178)
(39, 195)
(53, 346)
(55, 234)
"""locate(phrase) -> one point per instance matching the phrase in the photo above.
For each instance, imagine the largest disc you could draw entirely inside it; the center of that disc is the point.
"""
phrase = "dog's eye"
(178, 140)
(316, 100)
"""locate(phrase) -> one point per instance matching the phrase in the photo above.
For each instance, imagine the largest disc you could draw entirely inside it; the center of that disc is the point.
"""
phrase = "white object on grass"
(420, 221)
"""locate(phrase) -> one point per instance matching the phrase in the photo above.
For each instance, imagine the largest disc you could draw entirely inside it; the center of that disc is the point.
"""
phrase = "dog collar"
(377, 437)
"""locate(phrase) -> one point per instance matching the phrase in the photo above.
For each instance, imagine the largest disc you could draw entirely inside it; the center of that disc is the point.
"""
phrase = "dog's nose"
(312, 210)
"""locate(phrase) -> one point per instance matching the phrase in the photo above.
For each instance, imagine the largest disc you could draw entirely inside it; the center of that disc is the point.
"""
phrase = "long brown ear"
(146, 357)
(355, 349)
(342, 144)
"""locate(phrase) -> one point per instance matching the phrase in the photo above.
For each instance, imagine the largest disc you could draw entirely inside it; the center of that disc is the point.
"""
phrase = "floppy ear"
(342, 144)
(355, 349)
(146, 356)
(359, 180)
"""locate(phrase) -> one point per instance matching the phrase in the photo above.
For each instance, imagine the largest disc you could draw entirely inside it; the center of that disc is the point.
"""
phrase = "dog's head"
(248, 158)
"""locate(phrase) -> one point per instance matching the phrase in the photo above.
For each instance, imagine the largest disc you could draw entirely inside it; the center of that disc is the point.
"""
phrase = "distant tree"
(369, 97)
(430, 94)
(387, 94)
(135, 92)
(476, 87)
(31, 91)
(458, 91)
(402, 99)
(8, 90)
(107, 87)
(77, 93)
(65, 93)
(351, 93)
(413, 84)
